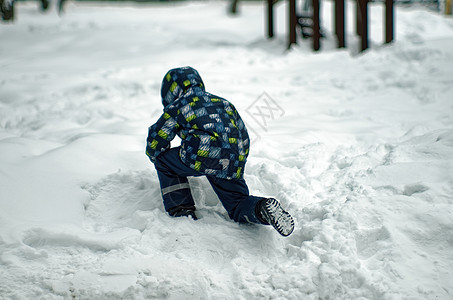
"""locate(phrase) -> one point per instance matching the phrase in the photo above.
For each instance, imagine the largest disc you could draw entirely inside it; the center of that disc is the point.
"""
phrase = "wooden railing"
(313, 22)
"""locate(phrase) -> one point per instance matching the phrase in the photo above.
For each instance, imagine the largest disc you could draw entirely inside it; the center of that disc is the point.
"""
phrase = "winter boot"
(270, 212)
(183, 211)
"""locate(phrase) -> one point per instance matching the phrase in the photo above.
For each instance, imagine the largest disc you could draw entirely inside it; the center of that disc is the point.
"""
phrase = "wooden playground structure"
(312, 21)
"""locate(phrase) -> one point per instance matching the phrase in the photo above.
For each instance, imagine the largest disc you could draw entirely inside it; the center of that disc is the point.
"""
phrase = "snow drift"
(361, 154)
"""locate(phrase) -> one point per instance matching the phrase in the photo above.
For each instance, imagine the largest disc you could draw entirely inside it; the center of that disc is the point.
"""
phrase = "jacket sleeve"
(159, 136)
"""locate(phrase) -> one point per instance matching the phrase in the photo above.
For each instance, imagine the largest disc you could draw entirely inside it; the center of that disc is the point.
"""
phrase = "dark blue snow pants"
(233, 194)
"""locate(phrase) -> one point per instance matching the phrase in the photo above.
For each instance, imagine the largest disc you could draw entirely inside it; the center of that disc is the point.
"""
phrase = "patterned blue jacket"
(214, 138)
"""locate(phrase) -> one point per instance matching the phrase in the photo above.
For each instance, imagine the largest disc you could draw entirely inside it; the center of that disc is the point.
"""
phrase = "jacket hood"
(176, 83)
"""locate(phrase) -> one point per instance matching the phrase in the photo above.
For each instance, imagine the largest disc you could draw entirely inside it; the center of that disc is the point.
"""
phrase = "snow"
(360, 153)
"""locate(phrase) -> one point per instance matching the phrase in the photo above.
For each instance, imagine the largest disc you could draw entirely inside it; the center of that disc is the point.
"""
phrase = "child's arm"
(160, 135)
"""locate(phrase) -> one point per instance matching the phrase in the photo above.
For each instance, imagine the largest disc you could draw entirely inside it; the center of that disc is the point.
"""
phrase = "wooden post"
(234, 7)
(316, 25)
(270, 18)
(340, 23)
(448, 7)
(389, 21)
(358, 18)
(7, 10)
(292, 23)
(363, 17)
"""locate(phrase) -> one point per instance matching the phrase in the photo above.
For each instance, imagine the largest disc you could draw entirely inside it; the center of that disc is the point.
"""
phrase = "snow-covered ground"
(359, 149)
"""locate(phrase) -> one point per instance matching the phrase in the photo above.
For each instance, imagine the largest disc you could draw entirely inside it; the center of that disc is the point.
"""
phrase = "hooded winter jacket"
(214, 138)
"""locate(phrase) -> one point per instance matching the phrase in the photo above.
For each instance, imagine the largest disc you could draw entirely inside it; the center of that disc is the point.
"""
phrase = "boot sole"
(280, 219)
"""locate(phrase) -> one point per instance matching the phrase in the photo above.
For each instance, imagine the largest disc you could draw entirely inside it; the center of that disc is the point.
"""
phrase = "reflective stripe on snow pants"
(234, 194)
(175, 187)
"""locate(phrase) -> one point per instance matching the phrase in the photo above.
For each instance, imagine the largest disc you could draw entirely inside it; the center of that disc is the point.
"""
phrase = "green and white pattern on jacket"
(214, 138)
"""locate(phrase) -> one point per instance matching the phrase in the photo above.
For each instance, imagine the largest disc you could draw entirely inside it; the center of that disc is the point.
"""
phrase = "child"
(214, 144)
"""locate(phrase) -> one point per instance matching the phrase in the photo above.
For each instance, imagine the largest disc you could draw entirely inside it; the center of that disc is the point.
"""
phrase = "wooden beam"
(363, 18)
(340, 23)
(389, 21)
(316, 26)
(292, 23)
(270, 18)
